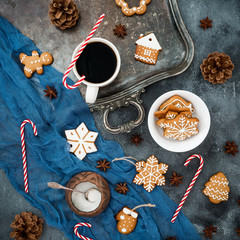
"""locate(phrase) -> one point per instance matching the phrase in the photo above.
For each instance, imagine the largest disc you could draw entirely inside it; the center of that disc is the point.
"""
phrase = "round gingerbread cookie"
(141, 9)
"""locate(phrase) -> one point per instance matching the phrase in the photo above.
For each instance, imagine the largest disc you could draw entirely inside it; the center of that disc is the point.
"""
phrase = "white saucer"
(201, 112)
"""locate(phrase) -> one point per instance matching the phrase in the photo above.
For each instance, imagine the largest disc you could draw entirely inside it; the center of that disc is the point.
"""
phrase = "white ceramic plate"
(201, 112)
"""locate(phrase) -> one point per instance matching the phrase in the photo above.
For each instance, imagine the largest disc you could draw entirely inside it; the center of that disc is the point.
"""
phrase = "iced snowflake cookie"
(131, 11)
(150, 173)
(147, 49)
(35, 62)
(81, 141)
(181, 127)
(217, 188)
(177, 101)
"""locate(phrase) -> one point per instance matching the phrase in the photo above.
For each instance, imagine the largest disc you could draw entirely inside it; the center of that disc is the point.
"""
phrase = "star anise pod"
(103, 165)
(51, 92)
(231, 148)
(171, 238)
(120, 30)
(175, 179)
(209, 230)
(206, 23)
(136, 139)
(238, 202)
(122, 188)
(238, 231)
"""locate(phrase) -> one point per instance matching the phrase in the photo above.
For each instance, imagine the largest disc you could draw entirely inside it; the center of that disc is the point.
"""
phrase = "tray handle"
(133, 99)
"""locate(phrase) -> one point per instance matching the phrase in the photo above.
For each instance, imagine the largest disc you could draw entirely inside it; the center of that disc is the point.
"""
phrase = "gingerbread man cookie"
(131, 11)
(35, 63)
(127, 220)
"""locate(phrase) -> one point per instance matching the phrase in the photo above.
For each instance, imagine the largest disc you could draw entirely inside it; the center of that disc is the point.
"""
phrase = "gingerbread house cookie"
(147, 49)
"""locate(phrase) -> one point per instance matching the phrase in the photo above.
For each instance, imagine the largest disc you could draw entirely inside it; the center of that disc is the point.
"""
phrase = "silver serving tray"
(162, 17)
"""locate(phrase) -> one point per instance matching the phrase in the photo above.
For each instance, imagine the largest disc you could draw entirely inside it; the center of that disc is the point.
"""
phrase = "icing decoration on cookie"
(181, 127)
(127, 218)
(147, 49)
(162, 113)
(217, 188)
(171, 115)
(35, 63)
(81, 141)
(150, 173)
(188, 114)
(131, 11)
(160, 122)
(178, 102)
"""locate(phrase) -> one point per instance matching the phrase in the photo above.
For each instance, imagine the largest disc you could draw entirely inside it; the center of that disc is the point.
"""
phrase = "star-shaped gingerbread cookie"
(181, 127)
(150, 173)
(81, 141)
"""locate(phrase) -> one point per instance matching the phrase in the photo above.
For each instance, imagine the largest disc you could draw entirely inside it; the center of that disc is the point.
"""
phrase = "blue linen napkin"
(48, 156)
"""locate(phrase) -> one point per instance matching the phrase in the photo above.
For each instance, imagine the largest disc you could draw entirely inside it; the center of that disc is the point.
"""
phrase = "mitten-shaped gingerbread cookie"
(35, 63)
(127, 220)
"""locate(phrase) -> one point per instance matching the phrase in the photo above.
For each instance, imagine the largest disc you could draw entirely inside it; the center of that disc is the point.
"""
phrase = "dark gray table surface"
(223, 102)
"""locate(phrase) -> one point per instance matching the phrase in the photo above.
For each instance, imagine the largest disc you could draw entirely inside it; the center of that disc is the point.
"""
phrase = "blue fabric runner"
(49, 158)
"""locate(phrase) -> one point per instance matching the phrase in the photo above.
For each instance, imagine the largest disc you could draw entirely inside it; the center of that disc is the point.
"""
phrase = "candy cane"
(24, 158)
(79, 225)
(191, 184)
(77, 56)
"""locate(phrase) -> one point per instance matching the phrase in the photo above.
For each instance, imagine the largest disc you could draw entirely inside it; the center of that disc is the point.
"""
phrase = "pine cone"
(26, 226)
(217, 68)
(63, 13)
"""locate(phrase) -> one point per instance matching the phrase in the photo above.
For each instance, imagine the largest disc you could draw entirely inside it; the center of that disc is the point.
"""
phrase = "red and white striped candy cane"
(80, 225)
(191, 184)
(24, 158)
(77, 56)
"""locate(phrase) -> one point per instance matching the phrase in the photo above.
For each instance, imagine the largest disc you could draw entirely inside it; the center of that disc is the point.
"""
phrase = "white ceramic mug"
(92, 88)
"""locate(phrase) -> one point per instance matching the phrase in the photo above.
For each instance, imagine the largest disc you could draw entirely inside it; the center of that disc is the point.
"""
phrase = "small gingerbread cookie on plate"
(171, 115)
(177, 101)
(171, 108)
(181, 127)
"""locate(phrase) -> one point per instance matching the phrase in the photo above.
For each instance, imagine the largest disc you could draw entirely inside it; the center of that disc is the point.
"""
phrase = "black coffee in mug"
(97, 62)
